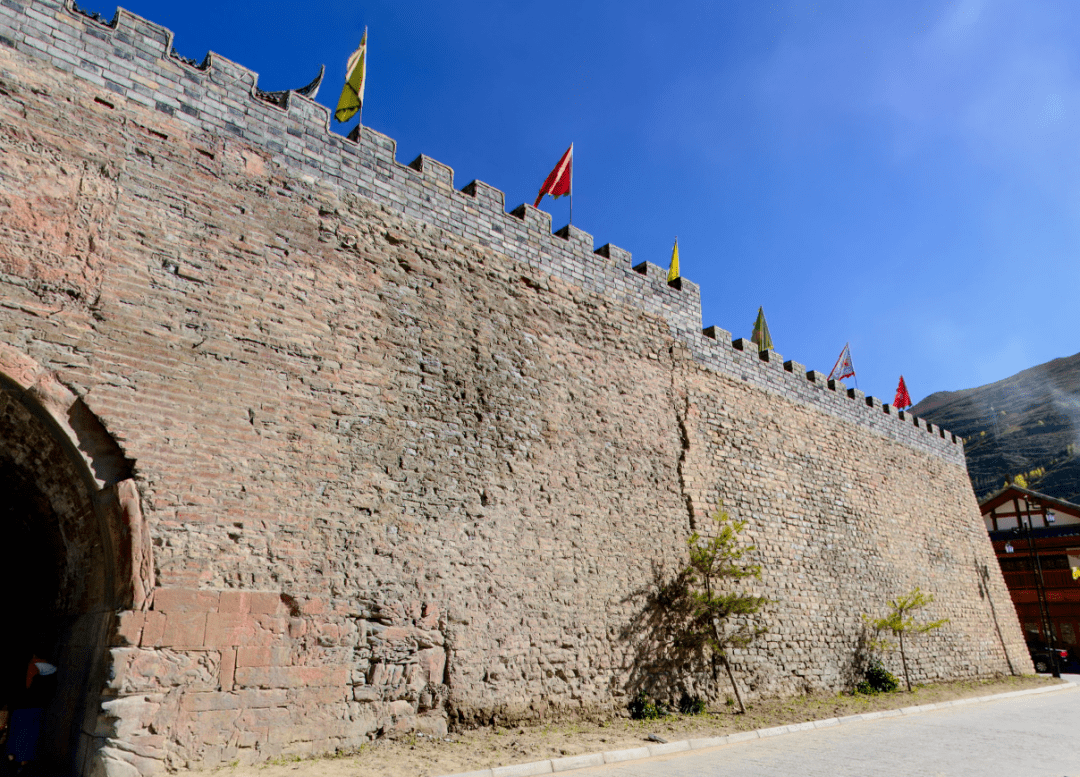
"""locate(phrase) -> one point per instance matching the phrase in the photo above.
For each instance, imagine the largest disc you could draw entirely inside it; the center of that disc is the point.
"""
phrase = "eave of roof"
(1011, 492)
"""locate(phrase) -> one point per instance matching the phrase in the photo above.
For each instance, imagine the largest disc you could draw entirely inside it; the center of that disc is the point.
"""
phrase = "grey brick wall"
(131, 57)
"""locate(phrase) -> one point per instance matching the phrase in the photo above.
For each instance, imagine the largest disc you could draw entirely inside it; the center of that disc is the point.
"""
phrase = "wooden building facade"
(1037, 541)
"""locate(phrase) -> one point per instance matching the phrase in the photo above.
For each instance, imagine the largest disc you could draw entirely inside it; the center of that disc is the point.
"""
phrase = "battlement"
(131, 58)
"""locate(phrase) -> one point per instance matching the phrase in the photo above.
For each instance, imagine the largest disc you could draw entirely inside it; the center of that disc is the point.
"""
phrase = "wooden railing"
(1052, 578)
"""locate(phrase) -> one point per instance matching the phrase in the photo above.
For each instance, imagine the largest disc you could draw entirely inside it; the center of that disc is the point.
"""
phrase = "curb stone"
(743, 736)
(631, 754)
(522, 770)
(639, 753)
(918, 708)
(577, 762)
(772, 732)
(707, 742)
(669, 747)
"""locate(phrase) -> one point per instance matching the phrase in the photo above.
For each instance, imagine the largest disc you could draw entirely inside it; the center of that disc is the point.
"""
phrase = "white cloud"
(958, 22)
(1053, 111)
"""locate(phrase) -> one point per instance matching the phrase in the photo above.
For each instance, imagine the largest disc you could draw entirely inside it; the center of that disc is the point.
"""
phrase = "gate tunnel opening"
(61, 567)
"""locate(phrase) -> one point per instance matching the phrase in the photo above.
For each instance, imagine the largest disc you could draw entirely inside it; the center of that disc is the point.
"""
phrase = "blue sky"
(901, 175)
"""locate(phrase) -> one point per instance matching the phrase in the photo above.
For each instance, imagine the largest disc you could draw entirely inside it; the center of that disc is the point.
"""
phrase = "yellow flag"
(352, 94)
(673, 272)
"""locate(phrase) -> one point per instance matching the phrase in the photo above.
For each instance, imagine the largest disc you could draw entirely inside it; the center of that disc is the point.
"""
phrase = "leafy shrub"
(691, 705)
(643, 709)
(878, 680)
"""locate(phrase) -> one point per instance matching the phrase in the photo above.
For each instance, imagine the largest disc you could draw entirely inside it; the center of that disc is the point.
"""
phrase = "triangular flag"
(843, 367)
(352, 94)
(673, 271)
(903, 399)
(558, 182)
(761, 334)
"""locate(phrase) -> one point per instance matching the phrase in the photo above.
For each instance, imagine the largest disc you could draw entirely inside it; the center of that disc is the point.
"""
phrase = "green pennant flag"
(352, 94)
(761, 336)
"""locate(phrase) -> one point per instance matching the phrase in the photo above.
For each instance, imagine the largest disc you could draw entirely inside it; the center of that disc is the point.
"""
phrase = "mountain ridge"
(1026, 424)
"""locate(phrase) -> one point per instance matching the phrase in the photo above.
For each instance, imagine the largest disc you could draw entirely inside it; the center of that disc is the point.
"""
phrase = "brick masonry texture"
(407, 459)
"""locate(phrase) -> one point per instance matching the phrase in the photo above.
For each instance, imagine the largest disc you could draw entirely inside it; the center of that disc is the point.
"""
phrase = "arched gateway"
(72, 551)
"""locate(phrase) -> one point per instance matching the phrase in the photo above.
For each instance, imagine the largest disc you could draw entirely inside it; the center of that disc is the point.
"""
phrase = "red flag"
(558, 183)
(902, 398)
(843, 367)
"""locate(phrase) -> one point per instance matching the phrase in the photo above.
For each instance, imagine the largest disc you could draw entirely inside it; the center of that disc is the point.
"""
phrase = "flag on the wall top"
(843, 367)
(761, 336)
(903, 399)
(352, 94)
(559, 181)
(673, 271)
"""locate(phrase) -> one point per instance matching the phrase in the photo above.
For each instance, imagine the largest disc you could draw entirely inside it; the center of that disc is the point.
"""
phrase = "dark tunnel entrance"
(31, 556)
(58, 571)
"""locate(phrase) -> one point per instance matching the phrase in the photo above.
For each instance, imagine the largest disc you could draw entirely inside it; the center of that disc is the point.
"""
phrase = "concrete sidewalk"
(656, 759)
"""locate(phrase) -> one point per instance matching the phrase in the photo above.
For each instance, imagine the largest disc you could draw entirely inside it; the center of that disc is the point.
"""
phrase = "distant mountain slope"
(1016, 426)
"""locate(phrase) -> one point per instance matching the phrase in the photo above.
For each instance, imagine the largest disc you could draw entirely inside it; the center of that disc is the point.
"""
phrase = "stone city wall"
(406, 459)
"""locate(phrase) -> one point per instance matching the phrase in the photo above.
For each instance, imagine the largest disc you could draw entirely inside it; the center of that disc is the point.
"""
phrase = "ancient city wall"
(405, 458)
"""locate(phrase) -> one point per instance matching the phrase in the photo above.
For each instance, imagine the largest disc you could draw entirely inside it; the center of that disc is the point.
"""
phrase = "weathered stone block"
(433, 663)
(153, 629)
(234, 602)
(262, 656)
(138, 670)
(133, 714)
(129, 627)
(209, 701)
(227, 670)
(291, 676)
(213, 725)
(227, 629)
(170, 600)
(183, 629)
(265, 603)
(366, 693)
(267, 717)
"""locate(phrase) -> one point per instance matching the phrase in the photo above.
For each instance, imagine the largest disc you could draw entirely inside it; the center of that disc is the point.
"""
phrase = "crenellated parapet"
(130, 58)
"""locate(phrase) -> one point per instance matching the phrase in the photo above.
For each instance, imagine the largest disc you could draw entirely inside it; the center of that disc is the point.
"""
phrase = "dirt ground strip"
(463, 751)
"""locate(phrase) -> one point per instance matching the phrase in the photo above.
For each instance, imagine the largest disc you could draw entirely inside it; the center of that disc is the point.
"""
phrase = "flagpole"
(360, 123)
(571, 184)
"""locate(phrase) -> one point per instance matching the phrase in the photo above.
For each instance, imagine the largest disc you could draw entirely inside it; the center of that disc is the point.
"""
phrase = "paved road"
(1032, 736)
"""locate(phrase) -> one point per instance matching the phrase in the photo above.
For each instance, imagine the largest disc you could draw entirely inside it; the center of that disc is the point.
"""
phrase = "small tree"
(713, 562)
(900, 621)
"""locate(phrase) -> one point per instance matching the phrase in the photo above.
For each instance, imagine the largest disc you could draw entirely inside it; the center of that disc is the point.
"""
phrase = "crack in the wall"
(684, 439)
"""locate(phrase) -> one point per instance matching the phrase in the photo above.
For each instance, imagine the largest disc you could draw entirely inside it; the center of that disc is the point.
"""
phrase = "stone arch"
(74, 545)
